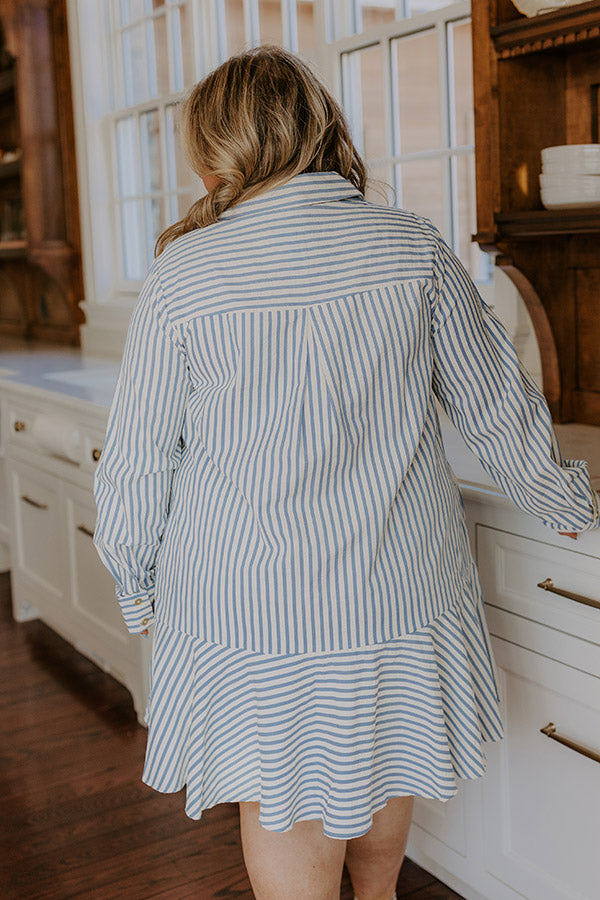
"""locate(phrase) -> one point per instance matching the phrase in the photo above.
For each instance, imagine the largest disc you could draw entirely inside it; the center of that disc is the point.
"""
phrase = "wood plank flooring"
(76, 821)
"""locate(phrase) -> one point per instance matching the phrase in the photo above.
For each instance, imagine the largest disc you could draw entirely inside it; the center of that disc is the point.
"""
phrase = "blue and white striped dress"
(274, 496)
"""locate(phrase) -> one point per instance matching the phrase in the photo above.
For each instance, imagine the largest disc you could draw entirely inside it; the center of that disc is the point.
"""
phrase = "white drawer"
(20, 418)
(44, 431)
(38, 530)
(92, 445)
(511, 567)
(541, 798)
(92, 587)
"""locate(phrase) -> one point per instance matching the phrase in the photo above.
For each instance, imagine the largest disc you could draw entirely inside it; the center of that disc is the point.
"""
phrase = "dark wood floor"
(76, 821)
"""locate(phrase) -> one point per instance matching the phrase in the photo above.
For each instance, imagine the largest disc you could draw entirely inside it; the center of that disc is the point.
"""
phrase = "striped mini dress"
(329, 736)
(274, 499)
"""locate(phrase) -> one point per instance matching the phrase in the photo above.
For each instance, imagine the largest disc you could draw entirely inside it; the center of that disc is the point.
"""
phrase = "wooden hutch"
(537, 83)
(40, 251)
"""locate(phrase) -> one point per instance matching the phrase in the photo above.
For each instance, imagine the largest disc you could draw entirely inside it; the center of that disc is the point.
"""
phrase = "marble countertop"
(91, 380)
(63, 370)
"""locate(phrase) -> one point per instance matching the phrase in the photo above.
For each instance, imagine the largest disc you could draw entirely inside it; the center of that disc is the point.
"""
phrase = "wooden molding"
(543, 332)
(540, 222)
(550, 31)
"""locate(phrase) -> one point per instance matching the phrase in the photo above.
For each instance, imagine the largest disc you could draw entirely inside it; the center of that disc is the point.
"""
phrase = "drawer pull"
(19, 426)
(85, 530)
(96, 454)
(550, 731)
(548, 585)
(34, 502)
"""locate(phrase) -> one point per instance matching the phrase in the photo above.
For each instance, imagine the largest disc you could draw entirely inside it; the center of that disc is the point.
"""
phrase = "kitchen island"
(529, 827)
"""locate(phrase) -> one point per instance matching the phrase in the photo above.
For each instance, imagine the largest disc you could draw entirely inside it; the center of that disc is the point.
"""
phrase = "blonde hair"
(256, 121)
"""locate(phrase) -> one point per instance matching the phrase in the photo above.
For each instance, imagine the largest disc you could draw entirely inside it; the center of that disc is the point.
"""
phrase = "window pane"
(421, 189)
(459, 38)
(159, 54)
(153, 209)
(183, 50)
(363, 78)
(128, 164)
(377, 14)
(270, 24)
(183, 203)
(150, 146)
(416, 82)
(135, 69)
(346, 17)
(132, 230)
(234, 25)
(306, 26)
(476, 261)
(130, 10)
(180, 173)
(380, 185)
(417, 7)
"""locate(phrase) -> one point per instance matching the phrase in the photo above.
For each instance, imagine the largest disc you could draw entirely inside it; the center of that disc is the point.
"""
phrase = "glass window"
(234, 26)
(416, 88)
(461, 94)
(363, 79)
(425, 71)
(306, 27)
(270, 21)
(348, 17)
(407, 90)
(420, 189)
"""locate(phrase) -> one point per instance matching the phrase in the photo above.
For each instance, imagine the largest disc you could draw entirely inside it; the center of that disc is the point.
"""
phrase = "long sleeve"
(497, 407)
(142, 449)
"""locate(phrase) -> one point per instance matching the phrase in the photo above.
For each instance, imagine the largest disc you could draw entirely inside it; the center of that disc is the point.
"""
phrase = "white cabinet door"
(541, 798)
(92, 587)
(439, 830)
(98, 626)
(38, 553)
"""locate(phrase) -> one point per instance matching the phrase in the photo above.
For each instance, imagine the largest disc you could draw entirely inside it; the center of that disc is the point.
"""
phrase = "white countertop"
(63, 370)
(91, 380)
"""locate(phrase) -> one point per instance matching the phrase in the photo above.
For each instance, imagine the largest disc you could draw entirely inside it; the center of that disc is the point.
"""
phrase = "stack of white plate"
(570, 176)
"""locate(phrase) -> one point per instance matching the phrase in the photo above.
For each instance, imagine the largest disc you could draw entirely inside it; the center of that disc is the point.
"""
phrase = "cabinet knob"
(96, 454)
(85, 530)
(19, 426)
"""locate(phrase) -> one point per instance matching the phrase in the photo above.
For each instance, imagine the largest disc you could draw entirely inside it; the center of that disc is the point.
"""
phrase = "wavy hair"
(254, 122)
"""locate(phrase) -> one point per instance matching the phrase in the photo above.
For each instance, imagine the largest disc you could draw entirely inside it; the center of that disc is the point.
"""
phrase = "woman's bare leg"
(302, 863)
(374, 859)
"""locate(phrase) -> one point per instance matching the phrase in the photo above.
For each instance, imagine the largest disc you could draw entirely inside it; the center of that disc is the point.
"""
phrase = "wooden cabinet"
(536, 84)
(40, 253)
(56, 573)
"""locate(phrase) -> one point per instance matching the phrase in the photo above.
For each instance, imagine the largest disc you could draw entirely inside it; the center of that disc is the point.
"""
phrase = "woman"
(274, 496)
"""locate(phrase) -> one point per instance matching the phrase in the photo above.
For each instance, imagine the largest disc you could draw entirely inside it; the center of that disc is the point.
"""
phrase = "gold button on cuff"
(144, 621)
(138, 601)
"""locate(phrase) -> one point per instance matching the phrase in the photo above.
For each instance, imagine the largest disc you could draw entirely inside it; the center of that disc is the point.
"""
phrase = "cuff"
(587, 515)
(138, 612)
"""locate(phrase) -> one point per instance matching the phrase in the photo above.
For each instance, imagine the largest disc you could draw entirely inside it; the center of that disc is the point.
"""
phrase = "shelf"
(561, 29)
(13, 249)
(9, 170)
(544, 222)
(7, 81)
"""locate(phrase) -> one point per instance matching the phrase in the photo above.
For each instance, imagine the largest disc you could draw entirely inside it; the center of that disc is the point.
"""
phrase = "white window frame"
(109, 297)
(345, 69)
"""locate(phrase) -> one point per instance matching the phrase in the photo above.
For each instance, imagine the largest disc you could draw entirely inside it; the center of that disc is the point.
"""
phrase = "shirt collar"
(307, 188)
